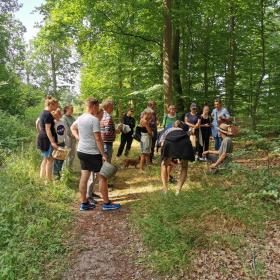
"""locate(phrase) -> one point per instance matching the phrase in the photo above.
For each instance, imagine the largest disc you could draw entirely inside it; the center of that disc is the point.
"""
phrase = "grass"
(34, 219)
(215, 211)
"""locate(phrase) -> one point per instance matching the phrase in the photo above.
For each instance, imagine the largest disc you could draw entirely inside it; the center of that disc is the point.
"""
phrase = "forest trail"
(106, 247)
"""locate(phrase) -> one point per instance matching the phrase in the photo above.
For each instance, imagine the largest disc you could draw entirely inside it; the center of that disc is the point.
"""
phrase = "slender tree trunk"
(263, 68)
(231, 64)
(176, 71)
(167, 53)
(53, 71)
(206, 61)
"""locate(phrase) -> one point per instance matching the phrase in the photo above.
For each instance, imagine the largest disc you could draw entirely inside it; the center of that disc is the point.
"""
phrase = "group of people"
(94, 133)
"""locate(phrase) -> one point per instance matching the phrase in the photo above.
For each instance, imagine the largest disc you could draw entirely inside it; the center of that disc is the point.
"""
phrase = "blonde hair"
(92, 101)
(148, 111)
(106, 103)
(50, 100)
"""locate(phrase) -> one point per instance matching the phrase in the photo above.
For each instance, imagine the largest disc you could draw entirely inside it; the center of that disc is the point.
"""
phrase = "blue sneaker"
(111, 206)
(87, 206)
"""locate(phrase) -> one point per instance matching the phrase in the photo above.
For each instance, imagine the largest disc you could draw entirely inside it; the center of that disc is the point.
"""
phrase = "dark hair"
(65, 109)
(92, 101)
(218, 100)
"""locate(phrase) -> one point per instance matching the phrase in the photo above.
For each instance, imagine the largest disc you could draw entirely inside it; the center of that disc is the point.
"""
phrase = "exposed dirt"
(107, 248)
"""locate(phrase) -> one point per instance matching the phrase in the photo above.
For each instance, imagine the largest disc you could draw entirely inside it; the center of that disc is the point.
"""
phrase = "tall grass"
(34, 218)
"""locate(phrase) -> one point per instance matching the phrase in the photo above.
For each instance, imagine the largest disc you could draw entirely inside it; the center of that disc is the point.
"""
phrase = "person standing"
(192, 119)
(70, 140)
(146, 137)
(107, 126)
(153, 125)
(60, 132)
(219, 115)
(170, 118)
(126, 138)
(86, 130)
(47, 138)
(205, 130)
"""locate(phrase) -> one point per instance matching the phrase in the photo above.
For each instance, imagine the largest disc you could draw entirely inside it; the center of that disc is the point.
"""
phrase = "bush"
(13, 132)
(34, 218)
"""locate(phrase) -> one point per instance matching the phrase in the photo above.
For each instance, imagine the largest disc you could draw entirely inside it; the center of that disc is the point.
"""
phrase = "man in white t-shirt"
(86, 129)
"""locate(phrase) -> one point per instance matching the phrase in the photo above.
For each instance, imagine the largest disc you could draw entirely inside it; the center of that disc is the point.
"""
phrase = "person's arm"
(219, 161)
(49, 134)
(197, 125)
(149, 130)
(210, 152)
(100, 144)
(37, 125)
(75, 131)
(188, 123)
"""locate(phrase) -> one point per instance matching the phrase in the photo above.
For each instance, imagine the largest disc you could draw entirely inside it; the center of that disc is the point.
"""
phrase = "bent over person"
(175, 144)
(86, 129)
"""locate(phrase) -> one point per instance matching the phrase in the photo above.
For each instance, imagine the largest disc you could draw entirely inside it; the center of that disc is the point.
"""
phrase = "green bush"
(34, 218)
(13, 131)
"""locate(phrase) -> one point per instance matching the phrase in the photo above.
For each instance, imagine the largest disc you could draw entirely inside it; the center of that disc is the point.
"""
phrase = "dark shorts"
(90, 162)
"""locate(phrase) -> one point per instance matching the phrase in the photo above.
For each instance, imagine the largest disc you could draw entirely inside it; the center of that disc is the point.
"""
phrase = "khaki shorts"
(182, 162)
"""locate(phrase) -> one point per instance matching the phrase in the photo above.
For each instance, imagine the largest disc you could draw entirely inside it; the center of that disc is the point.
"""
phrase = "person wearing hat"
(222, 156)
(192, 119)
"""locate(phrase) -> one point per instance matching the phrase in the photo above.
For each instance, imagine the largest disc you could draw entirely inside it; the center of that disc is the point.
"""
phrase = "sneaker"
(87, 206)
(111, 206)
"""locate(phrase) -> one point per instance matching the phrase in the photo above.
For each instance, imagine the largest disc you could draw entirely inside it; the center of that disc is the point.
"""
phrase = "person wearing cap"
(192, 119)
(222, 156)
(219, 115)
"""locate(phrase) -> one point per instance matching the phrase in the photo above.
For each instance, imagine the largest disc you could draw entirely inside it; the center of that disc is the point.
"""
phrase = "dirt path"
(107, 248)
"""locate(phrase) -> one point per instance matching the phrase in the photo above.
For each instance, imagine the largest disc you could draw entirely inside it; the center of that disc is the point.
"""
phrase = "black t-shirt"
(129, 121)
(47, 118)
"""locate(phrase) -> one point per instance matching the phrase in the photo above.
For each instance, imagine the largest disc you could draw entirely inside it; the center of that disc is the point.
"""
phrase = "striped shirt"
(107, 128)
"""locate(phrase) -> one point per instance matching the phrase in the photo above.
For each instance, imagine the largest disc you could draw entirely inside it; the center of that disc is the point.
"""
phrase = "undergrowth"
(34, 219)
(210, 213)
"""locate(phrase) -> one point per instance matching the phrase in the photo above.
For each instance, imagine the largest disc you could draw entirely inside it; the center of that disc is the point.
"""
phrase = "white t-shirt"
(87, 124)
(60, 131)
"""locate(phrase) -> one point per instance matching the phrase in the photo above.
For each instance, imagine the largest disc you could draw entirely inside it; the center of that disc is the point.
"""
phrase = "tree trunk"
(176, 71)
(263, 68)
(167, 53)
(230, 74)
(53, 70)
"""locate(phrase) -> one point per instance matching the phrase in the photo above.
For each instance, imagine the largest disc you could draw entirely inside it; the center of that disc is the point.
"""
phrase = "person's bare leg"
(49, 168)
(83, 185)
(90, 185)
(164, 176)
(169, 169)
(183, 177)
(43, 168)
(142, 162)
(103, 187)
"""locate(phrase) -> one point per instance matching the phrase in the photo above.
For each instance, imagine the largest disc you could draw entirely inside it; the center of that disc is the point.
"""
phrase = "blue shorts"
(48, 153)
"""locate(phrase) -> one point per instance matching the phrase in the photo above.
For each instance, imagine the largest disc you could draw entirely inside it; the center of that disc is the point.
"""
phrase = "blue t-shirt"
(193, 119)
(223, 113)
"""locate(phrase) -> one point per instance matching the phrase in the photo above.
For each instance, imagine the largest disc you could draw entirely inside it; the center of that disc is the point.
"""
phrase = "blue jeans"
(108, 149)
(218, 142)
(57, 167)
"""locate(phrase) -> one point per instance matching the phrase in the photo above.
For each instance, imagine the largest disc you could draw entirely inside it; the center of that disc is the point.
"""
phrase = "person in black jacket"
(176, 144)
(126, 138)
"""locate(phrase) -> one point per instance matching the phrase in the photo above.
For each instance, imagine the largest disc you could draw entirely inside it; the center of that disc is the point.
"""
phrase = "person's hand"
(104, 157)
(206, 125)
(54, 145)
(205, 153)
(213, 166)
